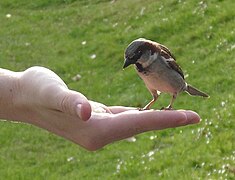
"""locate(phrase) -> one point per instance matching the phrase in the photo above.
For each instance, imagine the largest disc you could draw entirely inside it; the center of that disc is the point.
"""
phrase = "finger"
(99, 108)
(74, 103)
(119, 109)
(156, 120)
(83, 110)
(130, 123)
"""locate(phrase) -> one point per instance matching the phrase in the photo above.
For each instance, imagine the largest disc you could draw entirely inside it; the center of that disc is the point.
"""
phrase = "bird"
(157, 67)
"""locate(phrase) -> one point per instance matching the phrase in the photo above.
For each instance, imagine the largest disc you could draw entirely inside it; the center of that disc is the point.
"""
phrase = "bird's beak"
(127, 62)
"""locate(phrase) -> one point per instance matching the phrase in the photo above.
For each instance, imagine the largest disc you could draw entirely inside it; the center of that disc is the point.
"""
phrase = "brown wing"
(176, 67)
(165, 52)
(164, 48)
(170, 59)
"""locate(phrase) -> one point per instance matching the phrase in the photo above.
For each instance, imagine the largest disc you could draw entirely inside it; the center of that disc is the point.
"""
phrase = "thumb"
(75, 103)
(84, 111)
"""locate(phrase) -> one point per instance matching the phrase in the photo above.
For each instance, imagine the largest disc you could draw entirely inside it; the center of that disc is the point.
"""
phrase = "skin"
(39, 97)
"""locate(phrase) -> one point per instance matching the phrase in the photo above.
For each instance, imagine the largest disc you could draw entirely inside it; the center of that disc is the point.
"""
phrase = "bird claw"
(142, 109)
(167, 108)
(163, 108)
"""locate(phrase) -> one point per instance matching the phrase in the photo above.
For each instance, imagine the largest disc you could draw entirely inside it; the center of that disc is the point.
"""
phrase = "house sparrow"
(157, 66)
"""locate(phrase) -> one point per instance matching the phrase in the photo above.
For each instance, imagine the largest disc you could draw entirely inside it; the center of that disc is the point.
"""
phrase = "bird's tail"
(195, 92)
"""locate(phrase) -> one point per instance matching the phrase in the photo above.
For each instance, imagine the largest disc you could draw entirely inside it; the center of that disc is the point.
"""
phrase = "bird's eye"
(135, 56)
(138, 55)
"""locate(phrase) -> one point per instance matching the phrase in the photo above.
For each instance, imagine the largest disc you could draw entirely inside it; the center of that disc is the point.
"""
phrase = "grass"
(52, 33)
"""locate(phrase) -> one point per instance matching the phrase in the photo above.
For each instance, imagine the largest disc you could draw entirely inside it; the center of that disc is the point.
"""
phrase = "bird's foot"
(167, 108)
(143, 109)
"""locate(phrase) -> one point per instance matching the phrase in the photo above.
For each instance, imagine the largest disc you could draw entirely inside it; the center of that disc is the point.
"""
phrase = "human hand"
(44, 100)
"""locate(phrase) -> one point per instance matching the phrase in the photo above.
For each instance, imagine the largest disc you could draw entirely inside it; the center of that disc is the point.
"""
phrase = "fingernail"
(79, 110)
(192, 117)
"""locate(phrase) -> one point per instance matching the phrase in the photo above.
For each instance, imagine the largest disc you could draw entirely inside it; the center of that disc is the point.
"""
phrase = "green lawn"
(65, 35)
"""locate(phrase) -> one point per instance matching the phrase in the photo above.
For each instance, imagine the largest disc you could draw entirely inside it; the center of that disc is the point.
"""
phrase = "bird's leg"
(170, 106)
(148, 106)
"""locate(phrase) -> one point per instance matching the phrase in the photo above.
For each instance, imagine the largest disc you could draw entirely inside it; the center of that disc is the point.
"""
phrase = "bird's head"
(138, 51)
